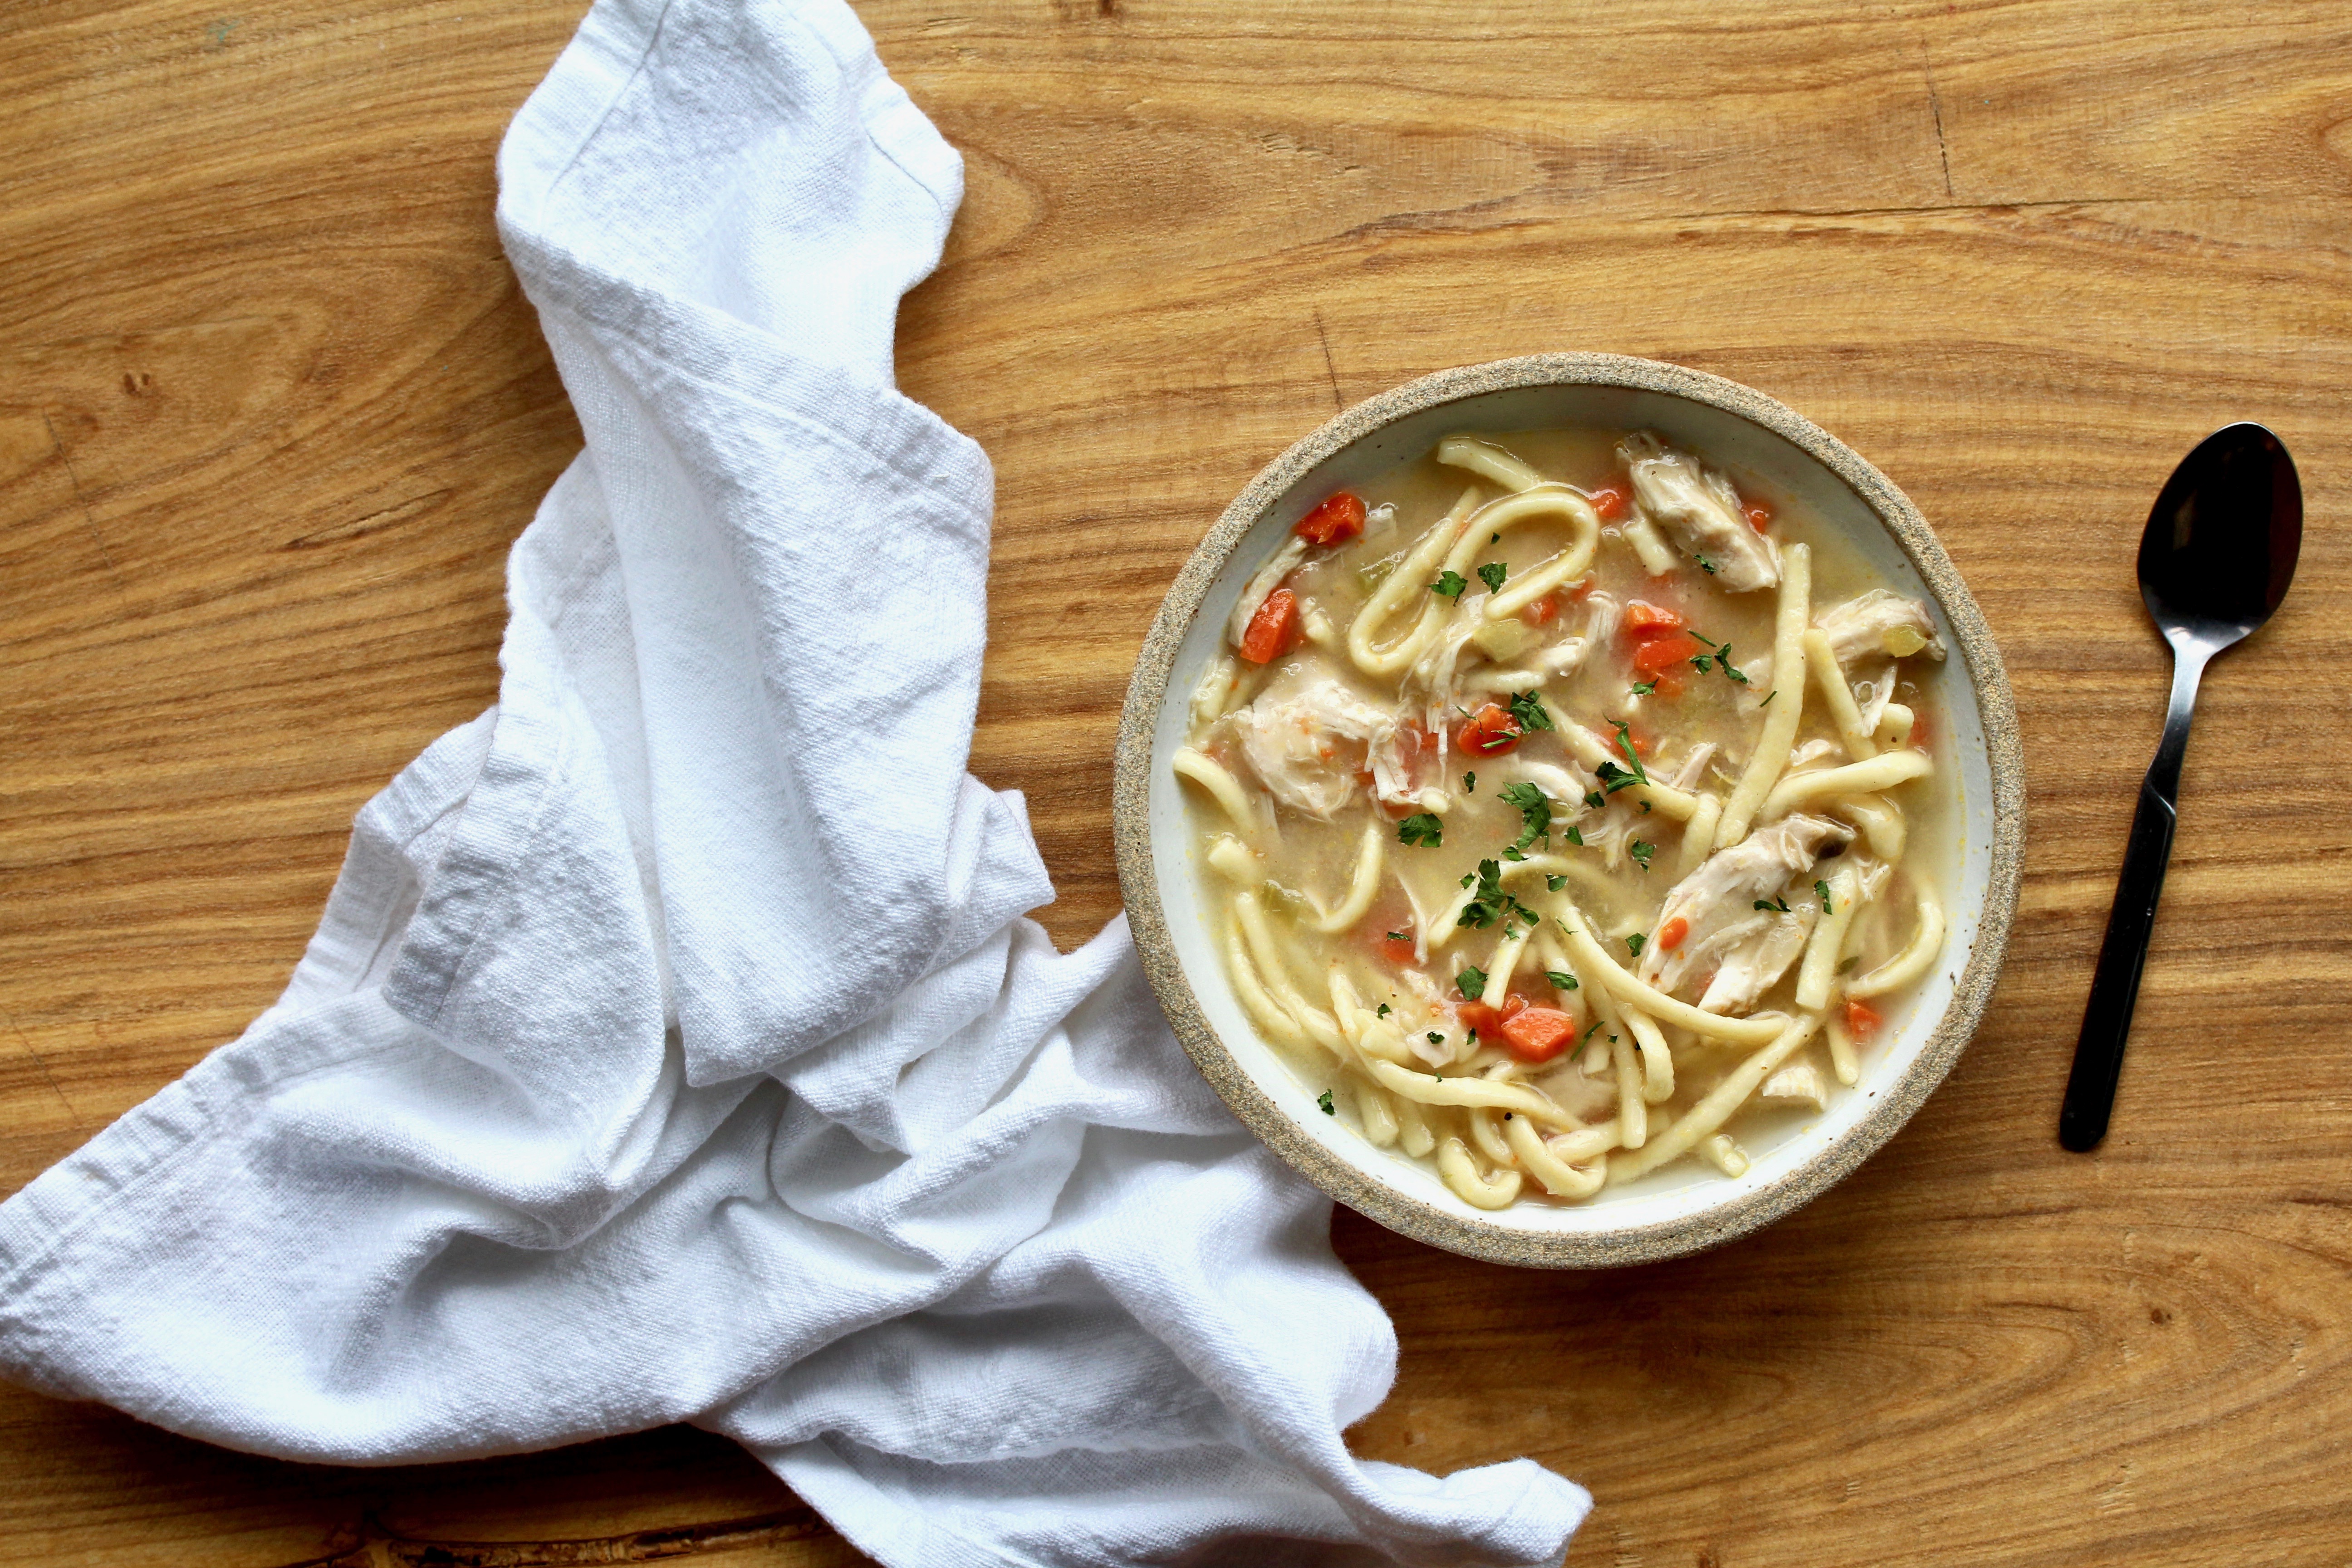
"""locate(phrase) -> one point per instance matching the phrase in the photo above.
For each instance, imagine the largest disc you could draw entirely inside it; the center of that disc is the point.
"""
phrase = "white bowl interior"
(1779, 1142)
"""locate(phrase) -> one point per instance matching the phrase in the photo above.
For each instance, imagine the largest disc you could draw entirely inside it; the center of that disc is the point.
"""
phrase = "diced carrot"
(1490, 1021)
(1540, 611)
(1671, 934)
(1490, 734)
(1335, 519)
(1610, 500)
(1759, 516)
(1538, 1034)
(1665, 651)
(1862, 1019)
(1644, 743)
(1396, 945)
(1274, 630)
(1645, 620)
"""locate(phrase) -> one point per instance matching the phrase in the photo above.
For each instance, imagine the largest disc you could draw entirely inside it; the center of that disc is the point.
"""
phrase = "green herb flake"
(1575, 838)
(1768, 699)
(1534, 807)
(1421, 829)
(1595, 801)
(1530, 711)
(1644, 687)
(1492, 574)
(1773, 906)
(1705, 564)
(1449, 585)
(1823, 889)
(1702, 662)
(1633, 943)
(1471, 982)
(1626, 744)
(1589, 1032)
(1722, 656)
(1511, 853)
(1383, 1012)
(1557, 884)
(1469, 784)
(1641, 853)
(1436, 1038)
(1560, 982)
(1324, 1099)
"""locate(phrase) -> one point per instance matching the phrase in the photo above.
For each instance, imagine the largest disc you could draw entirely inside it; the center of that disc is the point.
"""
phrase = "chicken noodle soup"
(1554, 797)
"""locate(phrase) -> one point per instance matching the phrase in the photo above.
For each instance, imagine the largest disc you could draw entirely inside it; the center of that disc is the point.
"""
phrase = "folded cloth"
(672, 1047)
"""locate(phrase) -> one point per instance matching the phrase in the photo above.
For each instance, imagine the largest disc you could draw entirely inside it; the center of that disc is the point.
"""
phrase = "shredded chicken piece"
(1698, 505)
(1560, 660)
(1267, 578)
(1879, 625)
(1798, 1085)
(1754, 964)
(1812, 753)
(1687, 772)
(1306, 736)
(1724, 892)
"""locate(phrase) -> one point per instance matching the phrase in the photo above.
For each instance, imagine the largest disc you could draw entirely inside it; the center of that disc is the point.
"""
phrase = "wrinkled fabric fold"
(673, 1046)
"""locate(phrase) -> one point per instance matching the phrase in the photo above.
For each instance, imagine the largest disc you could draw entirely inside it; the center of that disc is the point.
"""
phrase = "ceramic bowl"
(1685, 1206)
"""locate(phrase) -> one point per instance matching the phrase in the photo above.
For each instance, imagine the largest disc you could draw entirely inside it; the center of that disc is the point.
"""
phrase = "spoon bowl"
(2215, 560)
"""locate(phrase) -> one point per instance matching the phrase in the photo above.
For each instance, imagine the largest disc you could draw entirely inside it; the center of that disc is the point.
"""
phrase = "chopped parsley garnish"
(1534, 807)
(1589, 1032)
(1594, 801)
(1491, 903)
(1575, 838)
(1823, 889)
(1557, 884)
(1436, 1038)
(1612, 779)
(1469, 784)
(1449, 585)
(1495, 537)
(1626, 744)
(1641, 853)
(1560, 982)
(1702, 662)
(1399, 936)
(1492, 574)
(1421, 829)
(1722, 656)
(1773, 906)
(1644, 687)
(1768, 699)
(1383, 1012)
(1705, 564)
(1471, 982)
(1324, 1099)
(1529, 710)
(1633, 943)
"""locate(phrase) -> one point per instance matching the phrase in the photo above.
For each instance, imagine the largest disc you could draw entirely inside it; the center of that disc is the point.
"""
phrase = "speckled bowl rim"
(1742, 1209)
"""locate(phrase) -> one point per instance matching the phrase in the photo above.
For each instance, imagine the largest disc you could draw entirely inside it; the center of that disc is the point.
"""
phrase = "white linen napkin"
(672, 1047)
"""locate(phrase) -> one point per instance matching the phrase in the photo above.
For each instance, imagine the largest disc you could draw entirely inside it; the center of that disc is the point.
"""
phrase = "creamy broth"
(1570, 804)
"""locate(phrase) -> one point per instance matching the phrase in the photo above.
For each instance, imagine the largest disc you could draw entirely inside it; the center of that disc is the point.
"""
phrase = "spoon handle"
(2115, 985)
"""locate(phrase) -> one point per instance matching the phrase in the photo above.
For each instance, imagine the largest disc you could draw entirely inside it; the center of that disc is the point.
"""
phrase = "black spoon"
(2215, 560)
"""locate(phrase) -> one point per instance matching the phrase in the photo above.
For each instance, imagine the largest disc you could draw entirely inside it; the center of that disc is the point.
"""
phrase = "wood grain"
(271, 408)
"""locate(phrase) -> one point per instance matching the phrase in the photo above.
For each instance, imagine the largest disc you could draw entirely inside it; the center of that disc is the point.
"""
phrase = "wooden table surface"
(272, 408)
